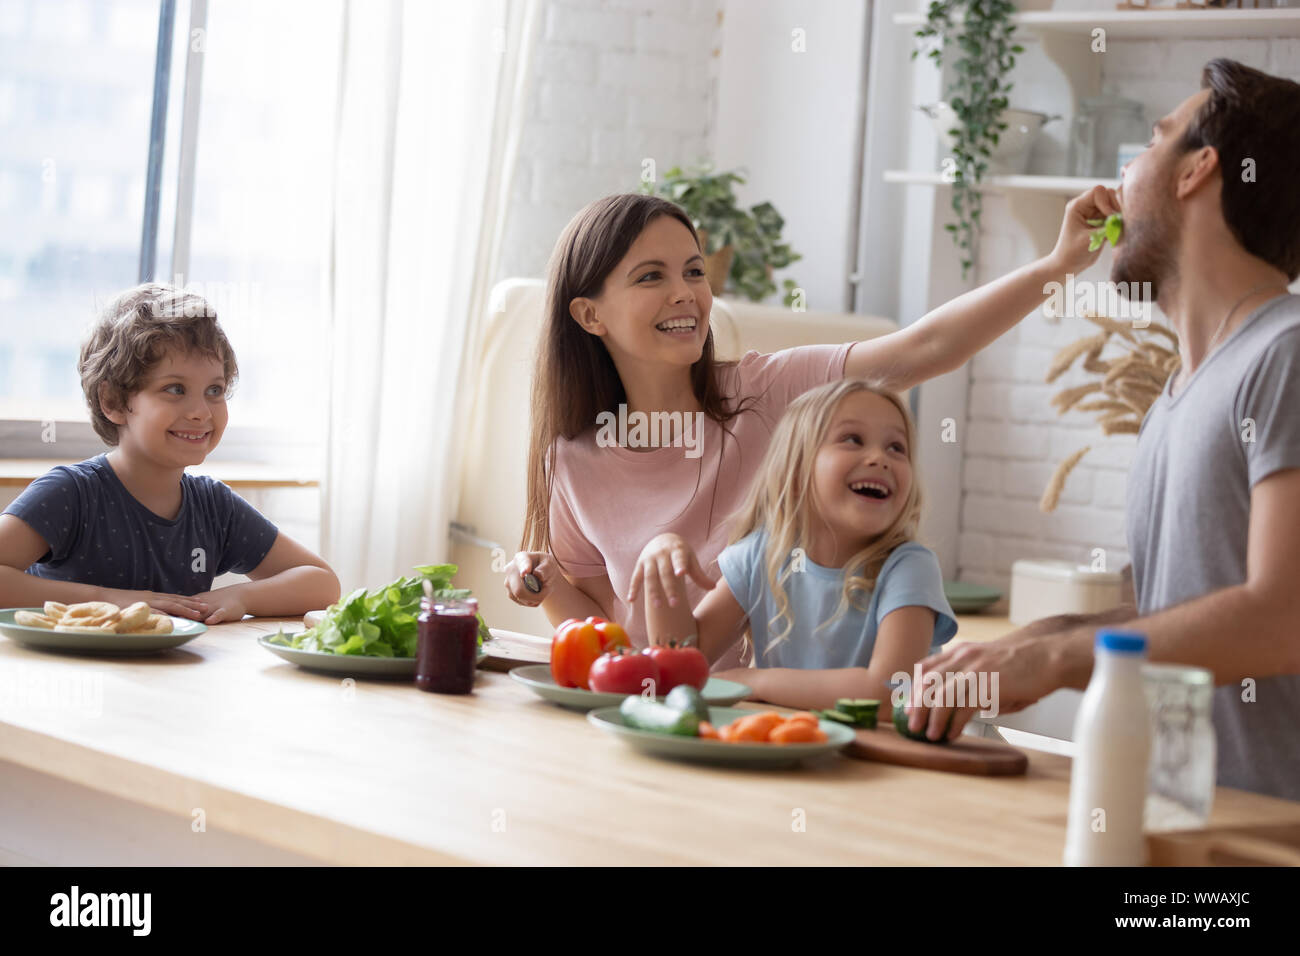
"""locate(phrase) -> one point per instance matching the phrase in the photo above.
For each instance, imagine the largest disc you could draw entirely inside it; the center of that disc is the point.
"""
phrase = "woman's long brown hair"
(575, 378)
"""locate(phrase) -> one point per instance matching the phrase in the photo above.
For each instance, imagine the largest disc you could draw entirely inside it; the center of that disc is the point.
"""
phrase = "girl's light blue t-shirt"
(910, 576)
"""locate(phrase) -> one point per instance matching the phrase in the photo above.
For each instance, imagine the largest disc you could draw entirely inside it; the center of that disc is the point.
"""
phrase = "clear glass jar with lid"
(1101, 126)
(1181, 772)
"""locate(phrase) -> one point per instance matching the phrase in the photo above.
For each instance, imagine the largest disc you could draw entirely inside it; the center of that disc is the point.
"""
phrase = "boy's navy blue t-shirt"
(100, 534)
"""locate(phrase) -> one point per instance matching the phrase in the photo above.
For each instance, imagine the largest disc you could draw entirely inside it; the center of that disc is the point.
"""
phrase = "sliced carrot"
(757, 728)
(795, 732)
(708, 731)
(803, 717)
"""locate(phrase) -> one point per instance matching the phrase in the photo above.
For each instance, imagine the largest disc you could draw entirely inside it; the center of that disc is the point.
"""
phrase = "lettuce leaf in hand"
(379, 623)
(1109, 229)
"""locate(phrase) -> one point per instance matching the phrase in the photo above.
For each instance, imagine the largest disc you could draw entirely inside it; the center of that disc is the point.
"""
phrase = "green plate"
(538, 679)
(610, 720)
(183, 630)
(354, 665)
(968, 598)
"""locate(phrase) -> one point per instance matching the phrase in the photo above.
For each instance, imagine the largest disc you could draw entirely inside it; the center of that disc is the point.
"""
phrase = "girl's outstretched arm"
(902, 640)
(947, 337)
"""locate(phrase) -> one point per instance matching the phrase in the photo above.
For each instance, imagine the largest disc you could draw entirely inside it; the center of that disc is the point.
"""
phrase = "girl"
(822, 568)
(627, 332)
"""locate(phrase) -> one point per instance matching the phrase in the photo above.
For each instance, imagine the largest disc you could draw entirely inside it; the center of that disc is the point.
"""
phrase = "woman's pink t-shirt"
(608, 502)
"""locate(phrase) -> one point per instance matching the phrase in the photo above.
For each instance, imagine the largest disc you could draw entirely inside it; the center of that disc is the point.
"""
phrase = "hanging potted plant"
(977, 35)
(741, 247)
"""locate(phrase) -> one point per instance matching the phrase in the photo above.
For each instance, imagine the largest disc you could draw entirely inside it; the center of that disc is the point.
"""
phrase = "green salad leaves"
(382, 622)
(1109, 228)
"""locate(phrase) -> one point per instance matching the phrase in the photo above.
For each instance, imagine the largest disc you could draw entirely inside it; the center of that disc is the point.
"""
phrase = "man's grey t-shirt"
(1233, 423)
(99, 534)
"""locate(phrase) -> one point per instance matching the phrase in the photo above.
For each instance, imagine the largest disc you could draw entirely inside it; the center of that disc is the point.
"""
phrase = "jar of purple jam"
(447, 652)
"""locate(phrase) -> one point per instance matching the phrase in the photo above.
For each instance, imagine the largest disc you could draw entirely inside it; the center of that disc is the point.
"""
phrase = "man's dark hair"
(1250, 115)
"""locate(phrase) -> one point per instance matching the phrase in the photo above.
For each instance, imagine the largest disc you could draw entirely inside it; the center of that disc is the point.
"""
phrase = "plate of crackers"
(97, 626)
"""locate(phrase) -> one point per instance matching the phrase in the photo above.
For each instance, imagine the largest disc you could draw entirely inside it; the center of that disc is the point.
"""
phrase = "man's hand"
(224, 604)
(1027, 668)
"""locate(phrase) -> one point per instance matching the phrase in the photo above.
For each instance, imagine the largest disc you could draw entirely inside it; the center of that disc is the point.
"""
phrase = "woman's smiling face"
(654, 306)
(178, 415)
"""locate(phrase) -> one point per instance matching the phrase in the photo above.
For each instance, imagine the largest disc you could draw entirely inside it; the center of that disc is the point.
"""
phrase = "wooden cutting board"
(966, 754)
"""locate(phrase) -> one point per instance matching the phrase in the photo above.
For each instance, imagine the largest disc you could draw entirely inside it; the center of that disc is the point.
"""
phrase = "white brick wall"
(1013, 438)
(615, 82)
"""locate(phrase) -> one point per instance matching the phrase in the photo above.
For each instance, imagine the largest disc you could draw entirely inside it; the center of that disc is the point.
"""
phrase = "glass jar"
(1180, 775)
(447, 652)
(1101, 126)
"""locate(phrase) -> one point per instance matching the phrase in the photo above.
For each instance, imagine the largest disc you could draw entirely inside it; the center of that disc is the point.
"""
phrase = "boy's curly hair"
(130, 337)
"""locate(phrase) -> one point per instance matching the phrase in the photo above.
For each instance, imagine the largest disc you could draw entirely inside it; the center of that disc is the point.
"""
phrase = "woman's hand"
(662, 567)
(535, 564)
(1071, 254)
(193, 607)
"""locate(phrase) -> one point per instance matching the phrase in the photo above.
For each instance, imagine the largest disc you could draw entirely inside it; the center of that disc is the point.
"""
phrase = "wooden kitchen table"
(221, 752)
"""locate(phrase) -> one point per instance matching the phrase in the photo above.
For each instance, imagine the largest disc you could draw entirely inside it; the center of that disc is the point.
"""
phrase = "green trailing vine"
(980, 32)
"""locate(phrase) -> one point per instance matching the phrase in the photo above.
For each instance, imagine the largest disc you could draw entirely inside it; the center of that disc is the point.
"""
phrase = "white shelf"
(1165, 23)
(1057, 185)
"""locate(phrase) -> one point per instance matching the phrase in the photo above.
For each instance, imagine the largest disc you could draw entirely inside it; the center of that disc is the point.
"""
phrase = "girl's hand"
(662, 567)
(540, 567)
(192, 607)
(224, 604)
(1071, 254)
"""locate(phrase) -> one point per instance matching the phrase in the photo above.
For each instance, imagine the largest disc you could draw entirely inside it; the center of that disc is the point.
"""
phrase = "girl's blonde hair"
(781, 501)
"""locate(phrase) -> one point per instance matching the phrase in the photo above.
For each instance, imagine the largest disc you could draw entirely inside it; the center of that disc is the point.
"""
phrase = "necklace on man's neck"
(1236, 305)
(1181, 373)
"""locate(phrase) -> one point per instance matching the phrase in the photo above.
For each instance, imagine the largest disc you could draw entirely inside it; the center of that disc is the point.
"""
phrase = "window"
(76, 95)
(76, 84)
(260, 230)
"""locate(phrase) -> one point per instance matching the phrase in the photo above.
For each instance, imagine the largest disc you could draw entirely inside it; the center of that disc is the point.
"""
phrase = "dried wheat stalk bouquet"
(1127, 386)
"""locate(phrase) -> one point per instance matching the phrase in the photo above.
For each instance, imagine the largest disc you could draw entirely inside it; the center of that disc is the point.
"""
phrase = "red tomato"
(574, 648)
(622, 672)
(679, 665)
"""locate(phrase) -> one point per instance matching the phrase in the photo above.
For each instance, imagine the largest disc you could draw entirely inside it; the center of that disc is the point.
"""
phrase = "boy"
(131, 525)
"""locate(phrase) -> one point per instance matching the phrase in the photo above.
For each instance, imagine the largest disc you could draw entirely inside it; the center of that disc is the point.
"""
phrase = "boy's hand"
(192, 607)
(224, 604)
(1071, 254)
(662, 567)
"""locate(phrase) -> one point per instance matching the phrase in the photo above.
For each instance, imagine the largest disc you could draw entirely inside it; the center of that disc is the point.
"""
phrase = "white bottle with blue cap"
(1112, 739)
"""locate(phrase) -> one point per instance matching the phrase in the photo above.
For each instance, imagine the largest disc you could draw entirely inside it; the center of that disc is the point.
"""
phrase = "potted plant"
(741, 247)
(980, 33)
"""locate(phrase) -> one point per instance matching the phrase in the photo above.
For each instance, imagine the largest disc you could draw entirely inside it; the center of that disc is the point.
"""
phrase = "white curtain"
(428, 122)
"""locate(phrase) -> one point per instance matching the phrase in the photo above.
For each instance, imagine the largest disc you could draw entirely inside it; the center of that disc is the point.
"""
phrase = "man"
(1212, 220)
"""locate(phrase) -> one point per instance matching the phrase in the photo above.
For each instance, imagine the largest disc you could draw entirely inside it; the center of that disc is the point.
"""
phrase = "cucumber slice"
(857, 707)
(838, 716)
